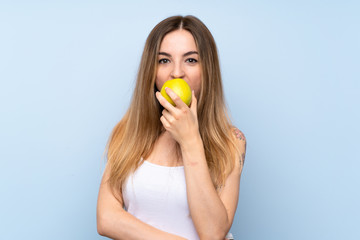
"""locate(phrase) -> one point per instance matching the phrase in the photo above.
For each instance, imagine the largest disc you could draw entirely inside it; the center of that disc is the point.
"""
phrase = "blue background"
(291, 76)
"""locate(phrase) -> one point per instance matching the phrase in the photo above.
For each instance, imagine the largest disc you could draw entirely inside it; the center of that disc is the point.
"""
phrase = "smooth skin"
(178, 58)
(212, 213)
(116, 223)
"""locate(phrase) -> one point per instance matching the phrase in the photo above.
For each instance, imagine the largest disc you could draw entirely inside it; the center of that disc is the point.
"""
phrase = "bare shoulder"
(241, 144)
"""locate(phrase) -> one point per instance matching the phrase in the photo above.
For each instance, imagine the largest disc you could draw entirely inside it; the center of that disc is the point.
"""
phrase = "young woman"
(173, 172)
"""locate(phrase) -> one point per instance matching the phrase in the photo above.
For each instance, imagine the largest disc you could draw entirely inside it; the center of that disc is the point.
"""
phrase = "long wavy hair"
(133, 138)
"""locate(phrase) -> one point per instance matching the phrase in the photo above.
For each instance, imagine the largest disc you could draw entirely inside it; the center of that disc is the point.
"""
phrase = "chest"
(154, 189)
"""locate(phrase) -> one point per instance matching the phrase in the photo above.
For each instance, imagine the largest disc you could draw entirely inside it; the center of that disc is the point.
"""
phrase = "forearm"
(207, 210)
(116, 223)
(123, 225)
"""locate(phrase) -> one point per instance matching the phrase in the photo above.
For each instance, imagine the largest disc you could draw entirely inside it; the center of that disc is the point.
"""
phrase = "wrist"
(193, 143)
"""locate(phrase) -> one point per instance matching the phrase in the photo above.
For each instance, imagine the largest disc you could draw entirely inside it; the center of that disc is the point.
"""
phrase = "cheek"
(160, 78)
(159, 83)
(197, 90)
(196, 82)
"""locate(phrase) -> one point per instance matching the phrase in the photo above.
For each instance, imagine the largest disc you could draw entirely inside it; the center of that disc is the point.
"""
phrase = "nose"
(177, 71)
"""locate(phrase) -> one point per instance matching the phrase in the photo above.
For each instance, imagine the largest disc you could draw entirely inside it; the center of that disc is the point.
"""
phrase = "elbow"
(101, 224)
(213, 235)
(100, 231)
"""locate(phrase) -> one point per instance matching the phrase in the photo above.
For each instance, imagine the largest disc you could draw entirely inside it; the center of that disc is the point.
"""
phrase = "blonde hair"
(134, 136)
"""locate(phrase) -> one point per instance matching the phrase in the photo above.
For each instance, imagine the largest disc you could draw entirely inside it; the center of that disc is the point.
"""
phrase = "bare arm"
(212, 214)
(114, 222)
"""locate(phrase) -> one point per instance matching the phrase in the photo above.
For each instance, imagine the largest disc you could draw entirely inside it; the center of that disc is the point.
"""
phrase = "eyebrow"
(186, 54)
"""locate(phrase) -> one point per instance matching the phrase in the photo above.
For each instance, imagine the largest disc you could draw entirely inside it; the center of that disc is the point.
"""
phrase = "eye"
(164, 60)
(191, 60)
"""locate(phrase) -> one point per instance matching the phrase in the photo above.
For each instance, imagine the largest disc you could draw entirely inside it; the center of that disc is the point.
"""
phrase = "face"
(179, 58)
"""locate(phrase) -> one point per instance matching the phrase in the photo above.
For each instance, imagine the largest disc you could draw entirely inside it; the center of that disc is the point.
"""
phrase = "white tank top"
(157, 196)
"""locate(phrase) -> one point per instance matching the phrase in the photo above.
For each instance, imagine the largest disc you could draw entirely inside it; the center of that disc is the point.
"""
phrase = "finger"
(193, 106)
(168, 106)
(177, 100)
(164, 122)
(169, 118)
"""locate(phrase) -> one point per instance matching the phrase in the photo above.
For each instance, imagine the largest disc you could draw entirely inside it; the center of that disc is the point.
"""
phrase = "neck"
(166, 151)
(168, 139)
